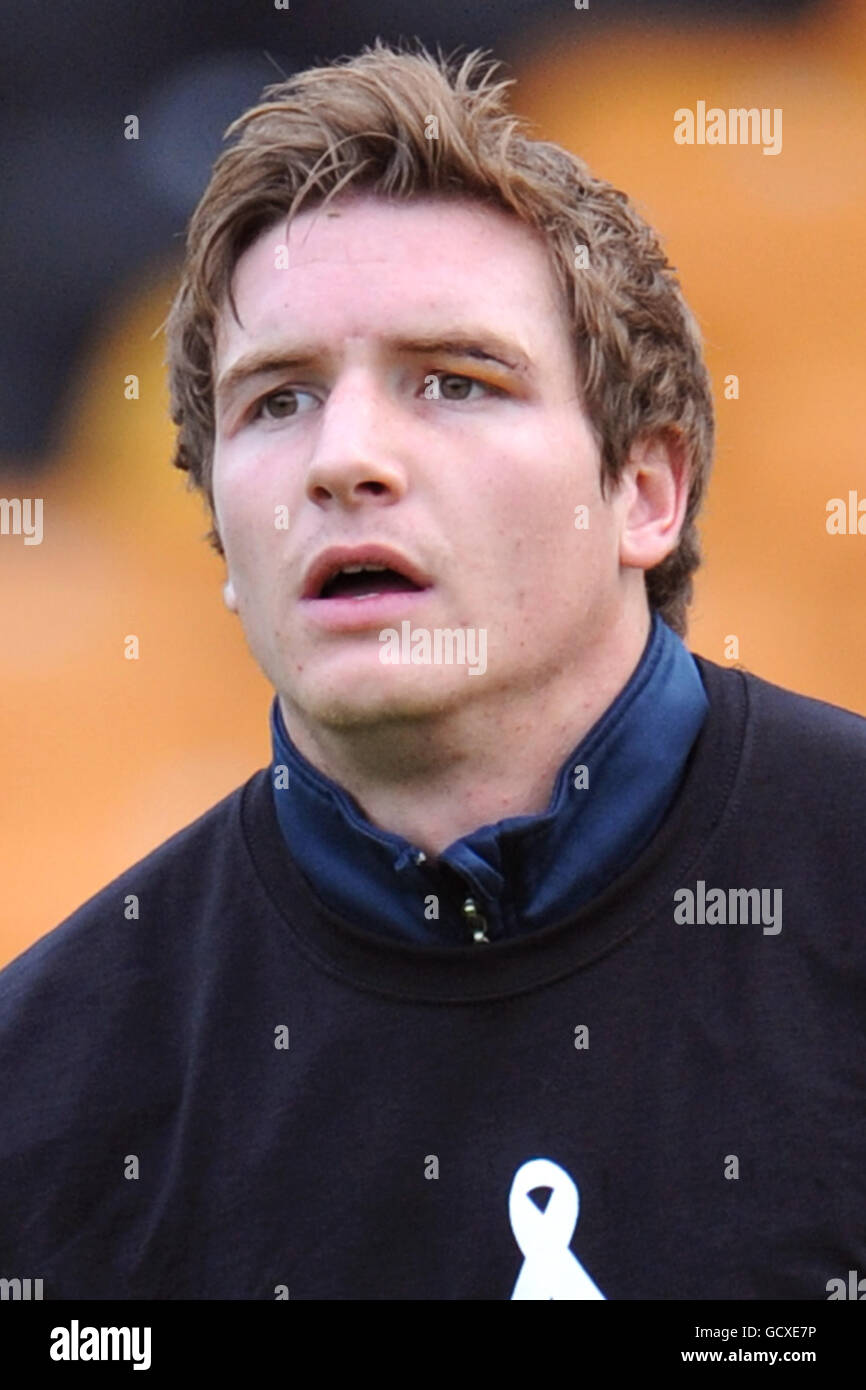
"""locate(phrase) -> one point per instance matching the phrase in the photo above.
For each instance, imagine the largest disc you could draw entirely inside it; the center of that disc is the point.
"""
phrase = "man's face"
(421, 395)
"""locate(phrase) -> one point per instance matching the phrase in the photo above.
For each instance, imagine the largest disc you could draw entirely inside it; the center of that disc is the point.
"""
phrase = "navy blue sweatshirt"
(216, 1086)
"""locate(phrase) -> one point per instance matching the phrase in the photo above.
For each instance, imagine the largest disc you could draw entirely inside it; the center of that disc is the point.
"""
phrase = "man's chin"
(390, 696)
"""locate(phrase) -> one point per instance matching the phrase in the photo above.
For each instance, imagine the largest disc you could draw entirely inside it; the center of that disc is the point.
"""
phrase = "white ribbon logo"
(549, 1269)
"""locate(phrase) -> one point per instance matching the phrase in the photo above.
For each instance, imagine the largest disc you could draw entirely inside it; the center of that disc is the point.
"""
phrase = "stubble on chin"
(396, 707)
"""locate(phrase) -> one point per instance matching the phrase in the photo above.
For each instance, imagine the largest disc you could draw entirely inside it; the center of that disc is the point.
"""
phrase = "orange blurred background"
(104, 758)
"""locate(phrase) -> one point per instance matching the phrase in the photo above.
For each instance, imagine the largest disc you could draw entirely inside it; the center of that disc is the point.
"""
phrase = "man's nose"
(356, 454)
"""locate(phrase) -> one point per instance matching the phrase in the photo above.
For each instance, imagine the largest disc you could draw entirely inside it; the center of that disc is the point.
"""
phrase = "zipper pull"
(475, 920)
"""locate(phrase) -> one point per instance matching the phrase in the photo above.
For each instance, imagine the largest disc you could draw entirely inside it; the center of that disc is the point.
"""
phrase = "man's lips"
(367, 608)
(355, 614)
(331, 561)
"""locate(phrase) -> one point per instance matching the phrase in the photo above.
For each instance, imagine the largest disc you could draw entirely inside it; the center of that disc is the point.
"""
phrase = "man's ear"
(230, 598)
(654, 489)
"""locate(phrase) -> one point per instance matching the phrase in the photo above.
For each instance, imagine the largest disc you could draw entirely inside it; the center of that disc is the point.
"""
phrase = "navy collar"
(524, 872)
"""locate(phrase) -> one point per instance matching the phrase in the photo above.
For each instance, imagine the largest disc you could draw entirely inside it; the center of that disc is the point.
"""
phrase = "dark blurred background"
(104, 757)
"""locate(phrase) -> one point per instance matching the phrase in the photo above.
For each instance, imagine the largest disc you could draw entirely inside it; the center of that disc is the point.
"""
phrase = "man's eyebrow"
(260, 363)
(481, 346)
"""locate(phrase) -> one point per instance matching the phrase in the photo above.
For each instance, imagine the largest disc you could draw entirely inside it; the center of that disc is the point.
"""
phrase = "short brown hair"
(363, 122)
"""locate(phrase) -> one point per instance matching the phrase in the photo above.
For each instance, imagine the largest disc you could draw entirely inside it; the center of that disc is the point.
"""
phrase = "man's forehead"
(363, 225)
(367, 267)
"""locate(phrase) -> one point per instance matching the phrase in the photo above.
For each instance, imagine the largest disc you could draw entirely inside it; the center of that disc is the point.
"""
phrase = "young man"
(530, 968)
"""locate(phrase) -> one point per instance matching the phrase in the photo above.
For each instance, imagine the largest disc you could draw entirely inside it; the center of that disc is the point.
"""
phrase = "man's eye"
(282, 404)
(454, 387)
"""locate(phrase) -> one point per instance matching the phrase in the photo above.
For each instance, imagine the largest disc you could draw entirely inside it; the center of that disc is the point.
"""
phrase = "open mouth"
(366, 581)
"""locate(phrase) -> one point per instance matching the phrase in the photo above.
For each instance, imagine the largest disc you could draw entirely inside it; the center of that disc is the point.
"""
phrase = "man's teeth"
(360, 569)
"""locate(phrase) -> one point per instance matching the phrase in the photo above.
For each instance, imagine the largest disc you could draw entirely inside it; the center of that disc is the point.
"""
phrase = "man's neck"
(437, 779)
